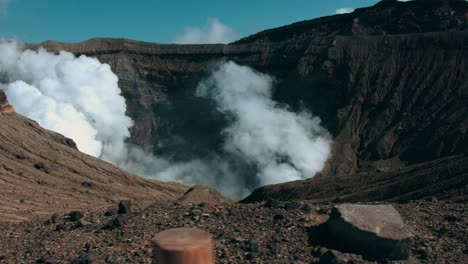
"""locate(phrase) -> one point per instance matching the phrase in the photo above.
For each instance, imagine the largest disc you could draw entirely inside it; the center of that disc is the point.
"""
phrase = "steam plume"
(264, 143)
(214, 32)
(78, 97)
(284, 146)
(344, 10)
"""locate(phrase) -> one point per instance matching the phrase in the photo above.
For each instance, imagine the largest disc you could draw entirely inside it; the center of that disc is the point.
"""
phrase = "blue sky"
(181, 21)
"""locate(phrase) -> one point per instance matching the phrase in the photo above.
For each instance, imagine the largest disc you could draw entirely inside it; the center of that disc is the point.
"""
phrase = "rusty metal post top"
(181, 238)
(183, 245)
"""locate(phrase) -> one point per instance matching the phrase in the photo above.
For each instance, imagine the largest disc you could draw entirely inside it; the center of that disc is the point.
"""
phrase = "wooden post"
(183, 246)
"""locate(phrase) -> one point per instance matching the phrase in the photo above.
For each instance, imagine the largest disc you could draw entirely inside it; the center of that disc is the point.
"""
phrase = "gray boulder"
(374, 231)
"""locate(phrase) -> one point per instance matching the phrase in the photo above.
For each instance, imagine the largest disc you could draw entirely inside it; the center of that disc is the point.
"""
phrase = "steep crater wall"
(387, 100)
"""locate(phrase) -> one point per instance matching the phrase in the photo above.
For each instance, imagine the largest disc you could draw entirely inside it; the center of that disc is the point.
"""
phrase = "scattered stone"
(62, 227)
(272, 203)
(47, 259)
(111, 211)
(306, 208)
(125, 207)
(424, 252)
(336, 257)
(55, 218)
(375, 231)
(452, 219)
(293, 205)
(117, 222)
(88, 184)
(85, 258)
(200, 194)
(41, 166)
(82, 223)
(75, 216)
(249, 256)
(278, 217)
(20, 156)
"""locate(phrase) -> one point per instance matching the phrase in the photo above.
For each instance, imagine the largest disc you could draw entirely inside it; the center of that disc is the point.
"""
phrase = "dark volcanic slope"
(42, 172)
(443, 179)
(388, 17)
(389, 82)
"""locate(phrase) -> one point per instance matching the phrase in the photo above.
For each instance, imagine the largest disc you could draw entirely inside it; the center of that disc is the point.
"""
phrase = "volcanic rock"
(5, 107)
(202, 195)
(125, 206)
(117, 222)
(85, 258)
(47, 259)
(336, 257)
(75, 216)
(375, 231)
(54, 218)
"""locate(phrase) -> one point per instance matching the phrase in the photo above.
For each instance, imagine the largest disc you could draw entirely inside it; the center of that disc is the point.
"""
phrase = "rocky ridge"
(5, 107)
(42, 172)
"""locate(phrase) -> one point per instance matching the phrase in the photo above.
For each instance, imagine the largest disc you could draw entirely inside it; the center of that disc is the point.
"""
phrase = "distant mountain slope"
(388, 17)
(42, 172)
(442, 179)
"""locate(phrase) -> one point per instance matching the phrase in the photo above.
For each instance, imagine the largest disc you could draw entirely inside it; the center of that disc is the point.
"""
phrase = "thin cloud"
(214, 32)
(344, 10)
(4, 7)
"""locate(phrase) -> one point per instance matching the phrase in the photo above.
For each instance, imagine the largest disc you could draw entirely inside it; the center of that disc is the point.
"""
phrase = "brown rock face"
(5, 107)
(42, 172)
(202, 195)
(445, 178)
(375, 231)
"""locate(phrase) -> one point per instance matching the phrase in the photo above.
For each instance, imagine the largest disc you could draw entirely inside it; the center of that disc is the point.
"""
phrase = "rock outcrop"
(202, 195)
(5, 107)
(374, 231)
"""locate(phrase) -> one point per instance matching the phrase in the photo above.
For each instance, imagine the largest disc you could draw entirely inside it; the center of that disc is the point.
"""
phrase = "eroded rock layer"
(388, 81)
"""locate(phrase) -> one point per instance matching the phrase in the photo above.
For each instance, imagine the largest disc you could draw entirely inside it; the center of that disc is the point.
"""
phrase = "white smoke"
(214, 32)
(79, 97)
(284, 146)
(56, 116)
(344, 10)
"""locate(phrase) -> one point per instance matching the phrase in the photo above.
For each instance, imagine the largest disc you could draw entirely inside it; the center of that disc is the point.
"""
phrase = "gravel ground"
(274, 232)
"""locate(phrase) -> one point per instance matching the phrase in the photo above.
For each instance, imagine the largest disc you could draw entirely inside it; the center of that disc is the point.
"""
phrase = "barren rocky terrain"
(389, 82)
(272, 232)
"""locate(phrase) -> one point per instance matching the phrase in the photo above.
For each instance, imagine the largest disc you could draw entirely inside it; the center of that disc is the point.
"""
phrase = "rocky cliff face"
(42, 172)
(388, 81)
(5, 107)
